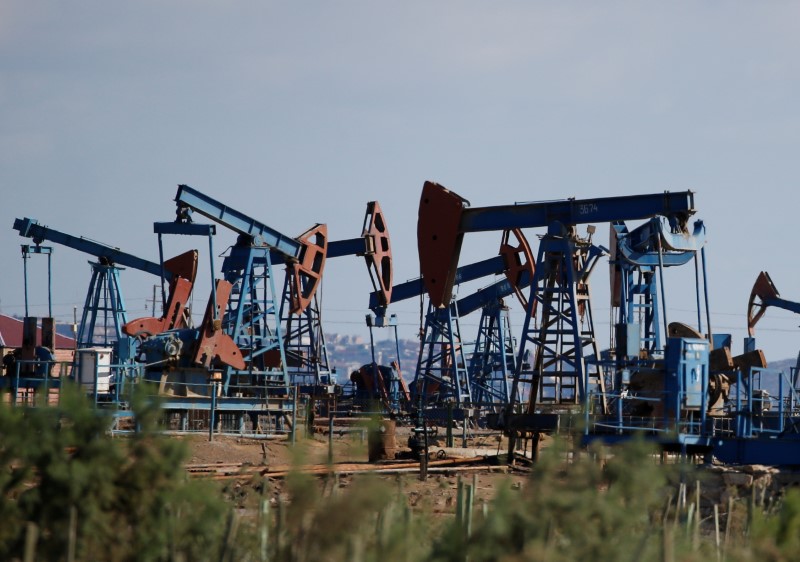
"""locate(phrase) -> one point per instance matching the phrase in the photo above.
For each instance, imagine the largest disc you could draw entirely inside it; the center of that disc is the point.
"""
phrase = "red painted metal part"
(763, 289)
(367, 375)
(179, 291)
(379, 252)
(518, 260)
(439, 240)
(214, 345)
(306, 272)
(183, 265)
(184, 271)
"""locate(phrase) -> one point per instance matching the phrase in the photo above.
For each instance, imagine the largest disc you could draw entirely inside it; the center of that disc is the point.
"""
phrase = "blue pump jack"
(443, 373)
(252, 320)
(560, 285)
(104, 313)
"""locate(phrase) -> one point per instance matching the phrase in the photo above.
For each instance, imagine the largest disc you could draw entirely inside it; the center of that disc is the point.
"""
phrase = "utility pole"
(75, 325)
(153, 309)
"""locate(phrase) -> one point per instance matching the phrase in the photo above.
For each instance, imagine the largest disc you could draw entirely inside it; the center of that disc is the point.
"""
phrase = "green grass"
(72, 492)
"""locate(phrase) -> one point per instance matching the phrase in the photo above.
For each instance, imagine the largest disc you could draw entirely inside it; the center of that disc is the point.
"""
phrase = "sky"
(301, 112)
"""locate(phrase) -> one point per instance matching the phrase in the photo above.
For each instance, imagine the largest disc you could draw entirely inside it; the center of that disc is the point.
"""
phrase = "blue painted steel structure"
(443, 375)
(304, 342)
(444, 218)
(27, 252)
(441, 334)
(560, 288)
(104, 313)
(29, 366)
(260, 234)
(638, 259)
(254, 321)
(755, 427)
(492, 362)
(285, 331)
(185, 229)
(304, 334)
(416, 287)
(262, 322)
(30, 228)
(565, 333)
(686, 392)
(676, 205)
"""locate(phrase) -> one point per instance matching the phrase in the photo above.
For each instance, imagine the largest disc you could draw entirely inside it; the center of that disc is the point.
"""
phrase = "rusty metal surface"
(754, 358)
(49, 333)
(681, 330)
(174, 315)
(763, 289)
(379, 252)
(720, 359)
(519, 262)
(306, 272)
(184, 272)
(183, 265)
(439, 240)
(214, 344)
(29, 336)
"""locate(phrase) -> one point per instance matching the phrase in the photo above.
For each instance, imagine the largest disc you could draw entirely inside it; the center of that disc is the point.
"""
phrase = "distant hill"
(782, 365)
(770, 382)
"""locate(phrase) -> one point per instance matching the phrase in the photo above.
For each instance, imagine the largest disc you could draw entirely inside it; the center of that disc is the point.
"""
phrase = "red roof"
(11, 334)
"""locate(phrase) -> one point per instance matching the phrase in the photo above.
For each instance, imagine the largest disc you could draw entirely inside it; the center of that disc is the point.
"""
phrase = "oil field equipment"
(443, 374)
(104, 317)
(241, 340)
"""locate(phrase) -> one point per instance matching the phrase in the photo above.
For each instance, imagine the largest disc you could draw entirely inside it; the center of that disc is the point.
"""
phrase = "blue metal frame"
(237, 221)
(252, 321)
(441, 360)
(640, 256)
(492, 362)
(755, 429)
(27, 251)
(304, 342)
(104, 311)
(30, 228)
(185, 229)
(580, 211)
(560, 290)
(415, 287)
(252, 318)
(441, 332)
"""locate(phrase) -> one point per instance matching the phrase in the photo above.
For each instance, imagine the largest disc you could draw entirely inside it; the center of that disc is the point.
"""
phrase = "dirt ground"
(438, 492)
(238, 461)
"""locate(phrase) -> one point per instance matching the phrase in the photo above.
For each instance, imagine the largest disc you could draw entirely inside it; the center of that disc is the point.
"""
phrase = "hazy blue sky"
(301, 112)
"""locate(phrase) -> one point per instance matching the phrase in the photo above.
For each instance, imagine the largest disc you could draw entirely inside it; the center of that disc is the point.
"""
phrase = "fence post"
(330, 436)
(31, 539)
(212, 413)
(294, 415)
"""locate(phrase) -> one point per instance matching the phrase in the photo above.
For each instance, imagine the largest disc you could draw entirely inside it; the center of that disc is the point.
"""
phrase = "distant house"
(11, 338)
(11, 334)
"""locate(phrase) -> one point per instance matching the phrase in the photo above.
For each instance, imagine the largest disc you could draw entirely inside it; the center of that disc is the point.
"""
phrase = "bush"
(101, 497)
(72, 488)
